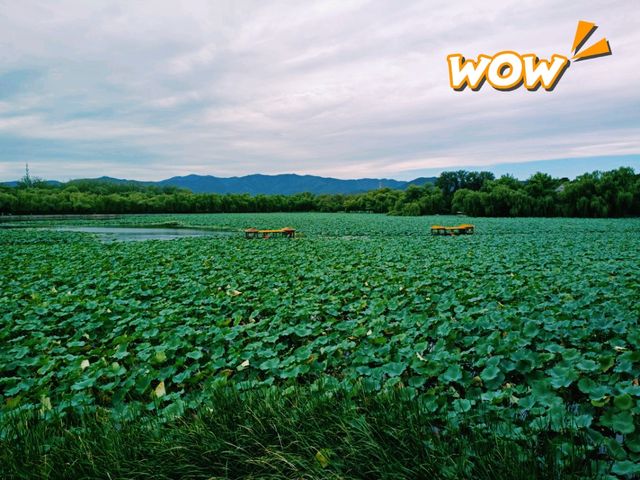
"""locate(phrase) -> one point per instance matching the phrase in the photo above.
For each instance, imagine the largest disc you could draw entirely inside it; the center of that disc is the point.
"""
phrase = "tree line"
(614, 193)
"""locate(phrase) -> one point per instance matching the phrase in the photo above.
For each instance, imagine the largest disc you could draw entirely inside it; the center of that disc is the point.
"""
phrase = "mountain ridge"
(261, 184)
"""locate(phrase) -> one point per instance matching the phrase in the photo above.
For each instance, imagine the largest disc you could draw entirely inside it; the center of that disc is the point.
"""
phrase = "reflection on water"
(123, 234)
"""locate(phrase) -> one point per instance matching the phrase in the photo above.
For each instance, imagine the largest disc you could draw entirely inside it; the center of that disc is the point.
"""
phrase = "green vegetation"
(302, 434)
(599, 194)
(525, 332)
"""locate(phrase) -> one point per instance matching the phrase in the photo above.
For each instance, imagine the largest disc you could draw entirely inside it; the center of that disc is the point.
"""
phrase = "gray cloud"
(341, 88)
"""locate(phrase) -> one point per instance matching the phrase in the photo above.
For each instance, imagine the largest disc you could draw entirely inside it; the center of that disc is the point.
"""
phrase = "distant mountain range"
(285, 184)
(14, 183)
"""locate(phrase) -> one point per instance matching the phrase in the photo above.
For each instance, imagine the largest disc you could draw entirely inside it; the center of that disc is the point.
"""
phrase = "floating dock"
(464, 229)
(286, 232)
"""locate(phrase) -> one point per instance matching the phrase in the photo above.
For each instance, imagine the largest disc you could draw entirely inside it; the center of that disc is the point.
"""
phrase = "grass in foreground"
(265, 434)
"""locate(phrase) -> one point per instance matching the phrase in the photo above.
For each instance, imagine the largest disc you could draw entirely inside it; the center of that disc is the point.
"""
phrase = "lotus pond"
(532, 321)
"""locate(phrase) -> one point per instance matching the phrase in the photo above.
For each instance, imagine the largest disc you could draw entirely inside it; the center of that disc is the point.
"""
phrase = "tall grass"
(268, 435)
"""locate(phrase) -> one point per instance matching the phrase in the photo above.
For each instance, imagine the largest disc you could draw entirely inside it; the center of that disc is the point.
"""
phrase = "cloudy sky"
(152, 89)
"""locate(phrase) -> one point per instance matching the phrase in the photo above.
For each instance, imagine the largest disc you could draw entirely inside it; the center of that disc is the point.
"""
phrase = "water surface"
(130, 234)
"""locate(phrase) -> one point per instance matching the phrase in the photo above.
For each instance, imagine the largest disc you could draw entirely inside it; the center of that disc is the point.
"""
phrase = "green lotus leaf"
(195, 354)
(633, 442)
(160, 356)
(587, 365)
(562, 376)
(462, 405)
(489, 373)
(606, 362)
(623, 422)
(86, 383)
(394, 369)
(452, 374)
(583, 421)
(626, 467)
(623, 402)
(269, 364)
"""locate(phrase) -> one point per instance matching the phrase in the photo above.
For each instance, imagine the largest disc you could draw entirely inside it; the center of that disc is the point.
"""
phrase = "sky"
(147, 90)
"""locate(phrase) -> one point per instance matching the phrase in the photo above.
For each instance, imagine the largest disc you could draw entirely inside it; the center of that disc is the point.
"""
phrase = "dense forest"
(614, 193)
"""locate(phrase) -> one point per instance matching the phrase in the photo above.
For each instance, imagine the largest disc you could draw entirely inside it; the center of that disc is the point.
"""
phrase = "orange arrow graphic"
(598, 49)
(583, 32)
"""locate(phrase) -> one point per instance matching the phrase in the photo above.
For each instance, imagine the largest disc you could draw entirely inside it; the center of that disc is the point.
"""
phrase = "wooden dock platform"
(286, 232)
(464, 229)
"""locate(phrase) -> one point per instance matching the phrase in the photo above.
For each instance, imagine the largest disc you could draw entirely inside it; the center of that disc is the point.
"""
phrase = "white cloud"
(336, 88)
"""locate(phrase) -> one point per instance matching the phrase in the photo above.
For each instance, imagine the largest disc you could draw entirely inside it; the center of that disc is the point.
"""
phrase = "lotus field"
(530, 322)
